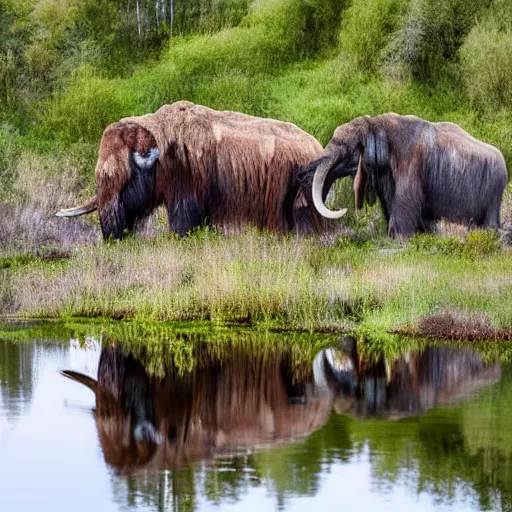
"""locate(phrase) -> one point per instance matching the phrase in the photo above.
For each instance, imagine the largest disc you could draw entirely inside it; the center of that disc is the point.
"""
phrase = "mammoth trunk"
(113, 220)
(133, 203)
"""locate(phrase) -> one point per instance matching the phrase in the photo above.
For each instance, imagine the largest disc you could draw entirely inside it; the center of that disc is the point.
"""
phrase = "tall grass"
(258, 278)
(367, 28)
(487, 59)
(431, 36)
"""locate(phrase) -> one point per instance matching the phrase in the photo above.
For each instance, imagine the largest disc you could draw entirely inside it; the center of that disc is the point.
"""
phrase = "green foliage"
(367, 28)
(477, 243)
(270, 280)
(448, 245)
(487, 63)
(431, 36)
(481, 243)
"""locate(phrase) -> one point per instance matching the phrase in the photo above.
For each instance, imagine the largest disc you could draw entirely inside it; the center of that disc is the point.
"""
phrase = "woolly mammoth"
(241, 401)
(219, 168)
(420, 171)
(409, 385)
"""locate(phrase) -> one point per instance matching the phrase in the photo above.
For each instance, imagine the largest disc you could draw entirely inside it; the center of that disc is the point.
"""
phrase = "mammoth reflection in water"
(409, 385)
(243, 401)
(247, 401)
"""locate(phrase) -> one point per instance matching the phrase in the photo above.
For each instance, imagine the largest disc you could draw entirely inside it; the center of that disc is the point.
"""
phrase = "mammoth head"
(125, 179)
(354, 150)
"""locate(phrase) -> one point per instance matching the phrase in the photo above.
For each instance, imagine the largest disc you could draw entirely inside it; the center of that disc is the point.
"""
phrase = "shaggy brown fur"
(240, 402)
(219, 168)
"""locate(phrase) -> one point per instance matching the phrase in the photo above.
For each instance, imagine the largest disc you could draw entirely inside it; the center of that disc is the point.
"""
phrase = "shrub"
(476, 243)
(447, 245)
(481, 242)
(431, 36)
(367, 27)
(487, 65)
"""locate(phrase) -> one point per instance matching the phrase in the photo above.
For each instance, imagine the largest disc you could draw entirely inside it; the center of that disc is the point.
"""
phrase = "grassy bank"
(260, 279)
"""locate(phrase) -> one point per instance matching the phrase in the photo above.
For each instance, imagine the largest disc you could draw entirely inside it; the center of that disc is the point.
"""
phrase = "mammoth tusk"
(88, 207)
(319, 177)
(147, 161)
(83, 379)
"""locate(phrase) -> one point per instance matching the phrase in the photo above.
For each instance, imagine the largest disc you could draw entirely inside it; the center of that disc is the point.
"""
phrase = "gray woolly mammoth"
(420, 171)
(406, 386)
(207, 167)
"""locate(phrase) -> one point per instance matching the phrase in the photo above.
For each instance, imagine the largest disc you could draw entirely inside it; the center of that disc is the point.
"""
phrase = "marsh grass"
(183, 346)
(262, 279)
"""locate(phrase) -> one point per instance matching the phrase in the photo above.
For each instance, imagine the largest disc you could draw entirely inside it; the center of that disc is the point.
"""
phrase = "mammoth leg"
(113, 220)
(405, 215)
(184, 216)
(405, 218)
(408, 200)
(491, 218)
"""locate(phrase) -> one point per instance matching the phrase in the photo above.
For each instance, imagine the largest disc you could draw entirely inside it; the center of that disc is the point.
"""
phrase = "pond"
(95, 424)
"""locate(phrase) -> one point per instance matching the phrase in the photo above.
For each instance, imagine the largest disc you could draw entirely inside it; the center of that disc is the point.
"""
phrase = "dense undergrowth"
(69, 68)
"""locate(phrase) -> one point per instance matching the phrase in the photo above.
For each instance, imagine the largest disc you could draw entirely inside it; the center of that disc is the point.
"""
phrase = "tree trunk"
(171, 14)
(138, 19)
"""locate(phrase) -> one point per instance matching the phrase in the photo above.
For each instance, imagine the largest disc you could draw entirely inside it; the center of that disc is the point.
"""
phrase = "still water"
(249, 429)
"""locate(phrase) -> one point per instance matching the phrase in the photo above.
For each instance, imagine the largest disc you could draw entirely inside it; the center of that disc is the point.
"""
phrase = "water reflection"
(409, 385)
(244, 401)
(16, 377)
(263, 428)
(237, 402)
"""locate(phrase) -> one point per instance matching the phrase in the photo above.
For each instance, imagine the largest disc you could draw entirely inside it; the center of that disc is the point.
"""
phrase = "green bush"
(431, 243)
(477, 243)
(223, 70)
(366, 30)
(431, 36)
(481, 243)
(487, 65)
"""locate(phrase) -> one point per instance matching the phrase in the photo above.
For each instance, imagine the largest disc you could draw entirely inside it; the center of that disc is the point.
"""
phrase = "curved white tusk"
(319, 370)
(147, 161)
(88, 207)
(317, 188)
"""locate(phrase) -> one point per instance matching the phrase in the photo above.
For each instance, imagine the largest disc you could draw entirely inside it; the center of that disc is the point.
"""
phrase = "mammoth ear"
(145, 162)
(376, 152)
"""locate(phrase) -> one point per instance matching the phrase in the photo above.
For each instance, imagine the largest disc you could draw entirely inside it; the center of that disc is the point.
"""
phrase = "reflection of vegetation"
(296, 469)
(449, 448)
(449, 451)
(156, 345)
(16, 375)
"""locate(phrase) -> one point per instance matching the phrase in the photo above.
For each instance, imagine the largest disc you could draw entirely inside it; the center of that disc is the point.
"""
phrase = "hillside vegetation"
(68, 68)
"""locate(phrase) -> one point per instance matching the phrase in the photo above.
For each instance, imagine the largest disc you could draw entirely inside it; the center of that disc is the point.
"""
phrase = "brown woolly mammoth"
(420, 171)
(222, 406)
(219, 168)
